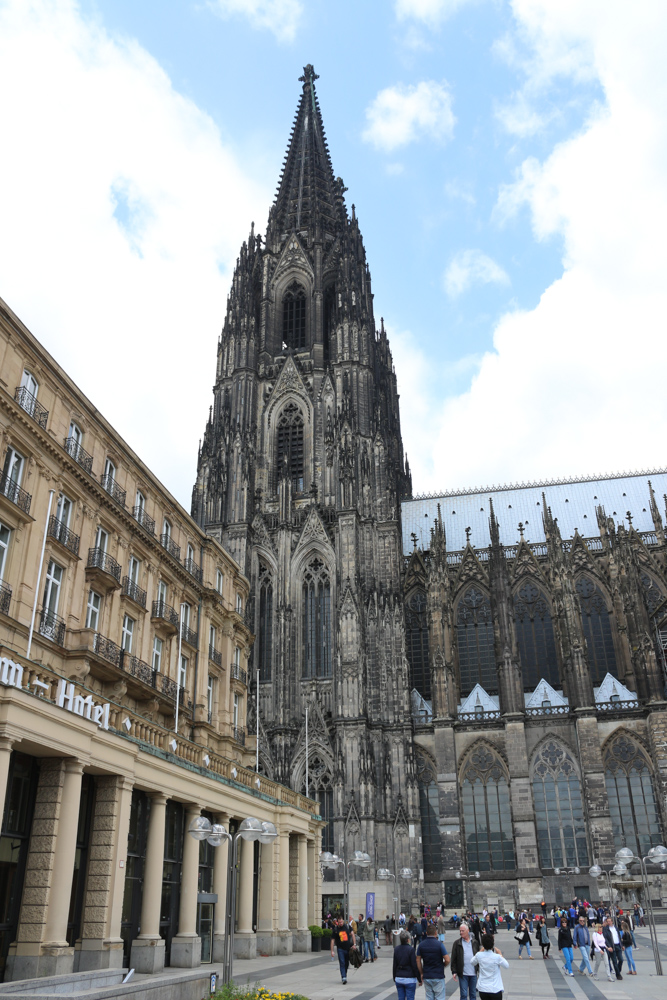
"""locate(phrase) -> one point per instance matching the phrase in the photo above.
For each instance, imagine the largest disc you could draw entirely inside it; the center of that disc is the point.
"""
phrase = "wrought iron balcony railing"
(52, 626)
(134, 592)
(29, 403)
(169, 688)
(167, 542)
(194, 570)
(109, 484)
(239, 674)
(13, 492)
(107, 649)
(162, 610)
(5, 598)
(239, 735)
(80, 456)
(214, 656)
(59, 530)
(187, 635)
(137, 668)
(99, 559)
(141, 517)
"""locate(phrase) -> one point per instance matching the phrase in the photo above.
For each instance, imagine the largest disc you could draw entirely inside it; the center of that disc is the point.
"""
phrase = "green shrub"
(316, 930)
(327, 933)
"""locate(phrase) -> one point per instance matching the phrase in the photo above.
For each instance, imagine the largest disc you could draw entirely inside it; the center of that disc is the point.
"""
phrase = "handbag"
(518, 937)
(355, 958)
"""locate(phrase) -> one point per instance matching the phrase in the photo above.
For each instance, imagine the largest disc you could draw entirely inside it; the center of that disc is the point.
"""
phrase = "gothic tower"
(301, 475)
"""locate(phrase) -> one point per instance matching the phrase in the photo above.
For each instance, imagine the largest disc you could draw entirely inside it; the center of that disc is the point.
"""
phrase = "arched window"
(416, 641)
(320, 788)
(652, 594)
(294, 317)
(559, 814)
(289, 451)
(634, 813)
(474, 631)
(329, 319)
(265, 624)
(597, 630)
(429, 811)
(316, 621)
(535, 636)
(487, 818)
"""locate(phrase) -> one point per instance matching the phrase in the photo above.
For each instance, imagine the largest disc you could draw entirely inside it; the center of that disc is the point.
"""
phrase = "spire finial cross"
(468, 530)
(521, 528)
(309, 74)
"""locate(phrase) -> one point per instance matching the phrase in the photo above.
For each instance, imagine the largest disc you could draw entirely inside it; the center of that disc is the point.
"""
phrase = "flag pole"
(307, 795)
(39, 575)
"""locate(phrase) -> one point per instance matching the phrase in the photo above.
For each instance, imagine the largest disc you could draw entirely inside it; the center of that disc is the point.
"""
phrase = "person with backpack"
(369, 939)
(432, 958)
(626, 944)
(342, 939)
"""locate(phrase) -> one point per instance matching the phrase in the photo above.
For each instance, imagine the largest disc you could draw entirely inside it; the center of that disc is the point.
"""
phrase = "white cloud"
(520, 117)
(401, 114)
(472, 267)
(281, 17)
(122, 214)
(430, 12)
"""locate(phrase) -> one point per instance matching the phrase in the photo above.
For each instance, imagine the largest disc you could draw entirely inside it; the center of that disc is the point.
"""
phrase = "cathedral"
(483, 673)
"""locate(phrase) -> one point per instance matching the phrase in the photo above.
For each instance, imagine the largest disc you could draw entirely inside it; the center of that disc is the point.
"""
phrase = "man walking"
(582, 940)
(343, 939)
(613, 942)
(432, 958)
(462, 968)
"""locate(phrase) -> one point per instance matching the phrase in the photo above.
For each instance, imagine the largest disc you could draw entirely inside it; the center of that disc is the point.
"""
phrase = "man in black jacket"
(461, 965)
(612, 940)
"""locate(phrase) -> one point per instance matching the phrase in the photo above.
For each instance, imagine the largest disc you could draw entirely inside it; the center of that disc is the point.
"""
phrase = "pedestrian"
(387, 929)
(432, 958)
(441, 927)
(476, 928)
(524, 939)
(488, 963)
(508, 920)
(342, 939)
(369, 939)
(582, 940)
(405, 973)
(613, 943)
(630, 919)
(360, 935)
(566, 946)
(463, 952)
(543, 938)
(600, 954)
(416, 931)
(626, 943)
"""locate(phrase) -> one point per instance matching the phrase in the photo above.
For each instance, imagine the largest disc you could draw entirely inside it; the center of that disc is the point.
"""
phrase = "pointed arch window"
(596, 620)
(632, 802)
(289, 451)
(416, 641)
(559, 813)
(535, 637)
(487, 817)
(265, 624)
(316, 597)
(652, 594)
(429, 812)
(329, 319)
(320, 788)
(474, 631)
(294, 317)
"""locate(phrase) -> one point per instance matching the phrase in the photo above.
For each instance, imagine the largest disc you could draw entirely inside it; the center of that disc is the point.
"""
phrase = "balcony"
(137, 668)
(617, 706)
(214, 656)
(187, 635)
(13, 492)
(81, 457)
(5, 598)
(29, 403)
(141, 517)
(62, 534)
(51, 626)
(542, 710)
(239, 735)
(167, 542)
(109, 484)
(134, 592)
(479, 716)
(163, 614)
(194, 570)
(238, 673)
(103, 568)
(107, 649)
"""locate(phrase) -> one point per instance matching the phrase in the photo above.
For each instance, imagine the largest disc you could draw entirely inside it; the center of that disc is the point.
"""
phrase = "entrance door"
(134, 871)
(205, 913)
(19, 805)
(171, 875)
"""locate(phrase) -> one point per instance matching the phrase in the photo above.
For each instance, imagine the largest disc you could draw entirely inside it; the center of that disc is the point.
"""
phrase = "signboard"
(370, 905)
(11, 675)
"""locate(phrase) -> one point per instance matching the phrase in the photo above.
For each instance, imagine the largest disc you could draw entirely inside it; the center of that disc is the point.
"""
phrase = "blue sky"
(506, 159)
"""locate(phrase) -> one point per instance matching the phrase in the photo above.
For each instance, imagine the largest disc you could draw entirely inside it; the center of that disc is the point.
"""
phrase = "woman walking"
(524, 939)
(600, 953)
(488, 962)
(566, 947)
(626, 943)
(543, 938)
(405, 972)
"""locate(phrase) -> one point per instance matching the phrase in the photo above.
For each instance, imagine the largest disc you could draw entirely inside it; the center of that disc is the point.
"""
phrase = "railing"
(52, 626)
(187, 635)
(107, 649)
(214, 656)
(141, 517)
(109, 484)
(238, 673)
(534, 713)
(5, 598)
(162, 610)
(80, 456)
(137, 668)
(59, 530)
(239, 735)
(617, 706)
(13, 492)
(99, 559)
(648, 537)
(134, 592)
(167, 542)
(194, 570)
(29, 403)
(479, 716)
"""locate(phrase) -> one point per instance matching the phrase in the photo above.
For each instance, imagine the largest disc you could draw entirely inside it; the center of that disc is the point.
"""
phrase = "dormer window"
(546, 703)
(294, 317)
(615, 697)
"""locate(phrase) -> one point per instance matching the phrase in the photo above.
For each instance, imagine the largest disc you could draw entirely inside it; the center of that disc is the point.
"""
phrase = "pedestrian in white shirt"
(488, 962)
(600, 953)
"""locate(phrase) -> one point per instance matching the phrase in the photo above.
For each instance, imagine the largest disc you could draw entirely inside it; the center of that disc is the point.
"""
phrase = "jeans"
(630, 960)
(568, 955)
(406, 991)
(526, 946)
(585, 960)
(343, 961)
(617, 959)
(369, 949)
(468, 986)
(434, 989)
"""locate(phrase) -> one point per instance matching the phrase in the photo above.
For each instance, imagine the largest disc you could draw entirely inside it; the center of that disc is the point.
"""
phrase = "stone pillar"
(147, 954)
(220, 871)
(523, 814)
(266, 938)
(312, 882)
(186, 945)
(57, 957)
(245, 943)
(5, 758)
(284, 942)
(302, 936)
(595, 798)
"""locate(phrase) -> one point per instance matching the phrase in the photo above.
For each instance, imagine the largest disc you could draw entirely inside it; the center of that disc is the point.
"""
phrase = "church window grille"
(320, 788)
(487, 816)
(535, 637)
(265, 624)
(316, 621)
(294, 317)
(474, 631)
(416, 637)
(429, 811)
(632, 803)
(559, 813)
(290, 446)
(596, 621)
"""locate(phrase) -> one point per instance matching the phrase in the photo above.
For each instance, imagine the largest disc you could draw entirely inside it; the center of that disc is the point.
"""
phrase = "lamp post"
(619, 869)
(384, 875)
(656, 856)
(466, 879)
(359, 859)
(250, 829)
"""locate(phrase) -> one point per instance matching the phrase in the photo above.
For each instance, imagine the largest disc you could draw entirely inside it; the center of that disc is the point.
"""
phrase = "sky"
(507, 160)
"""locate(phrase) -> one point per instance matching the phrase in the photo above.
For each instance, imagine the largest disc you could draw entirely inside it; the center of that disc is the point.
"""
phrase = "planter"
(316, 943)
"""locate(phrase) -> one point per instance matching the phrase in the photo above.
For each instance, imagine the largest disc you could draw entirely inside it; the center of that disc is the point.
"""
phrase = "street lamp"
(656, 856)
(250, 829)
(619, 869)
(359, 859)
(467, 878)
(405, 873)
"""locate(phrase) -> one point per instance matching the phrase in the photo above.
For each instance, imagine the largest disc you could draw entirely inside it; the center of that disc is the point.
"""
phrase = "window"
(535, 637)
(487, 818)
(416, 643)
(5, 535)
(320, 788)
(54, 578)
(166, 529)
(133, 569)
(474, 631)
(12, 472)
(316, 597)
(429, 811)
(265, 624)
(559, 813)
(27, 398)
(185, 615)
(75, 434)
(209, 696)
(596, 620)
(212, 636)
(632, 803)
(329, 319)
(237, 657)
(101, 539)
(219, 581)
(191, 553)
(63, 510)
(127, 634)
(652, 594)
(294, 317)
(29, 382)
(289, 451)
(183, 672)
(140, 502)
(157, 653)
(236, 711)
(109, 472)
(239, 604)
(162, 592)
(93, 610)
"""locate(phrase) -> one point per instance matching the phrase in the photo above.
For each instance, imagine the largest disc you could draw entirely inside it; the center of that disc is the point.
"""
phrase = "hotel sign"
(11, 675)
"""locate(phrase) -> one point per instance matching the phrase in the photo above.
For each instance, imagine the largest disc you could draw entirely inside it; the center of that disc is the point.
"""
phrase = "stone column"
(302, 937)
(186, 945)
(312, 882)
(266, 938)
(57, 956)
(5, 758)
(220, 870)
(245, 943)
(523, 814)
(147, 954)
(284, 942)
